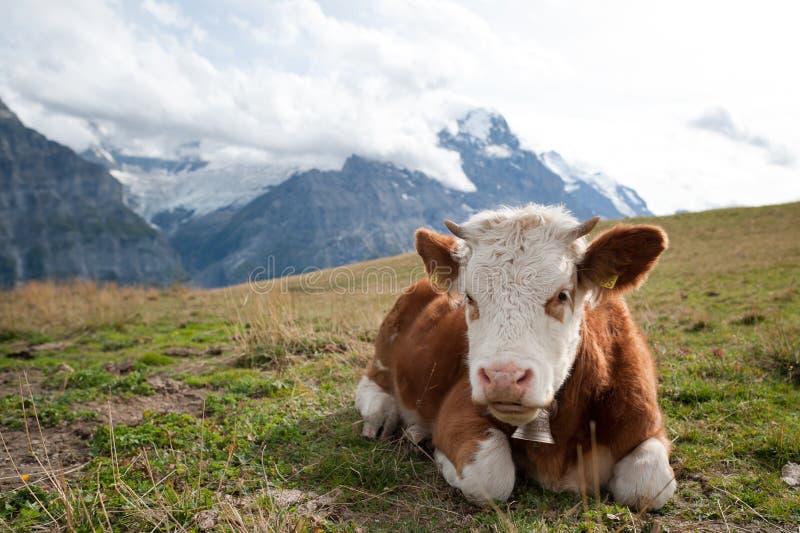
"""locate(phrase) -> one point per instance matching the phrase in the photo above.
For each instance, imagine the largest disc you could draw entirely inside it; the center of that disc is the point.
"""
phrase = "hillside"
(232, 408)
(62, 217)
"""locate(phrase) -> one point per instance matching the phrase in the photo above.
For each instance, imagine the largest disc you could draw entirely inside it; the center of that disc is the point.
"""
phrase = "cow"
(518, 353)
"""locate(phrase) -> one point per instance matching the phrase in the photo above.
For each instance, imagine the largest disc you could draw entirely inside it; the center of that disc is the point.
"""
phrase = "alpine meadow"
(231, 409)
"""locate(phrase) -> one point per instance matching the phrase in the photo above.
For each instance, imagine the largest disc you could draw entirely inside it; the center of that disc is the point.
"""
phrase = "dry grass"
(47, 307)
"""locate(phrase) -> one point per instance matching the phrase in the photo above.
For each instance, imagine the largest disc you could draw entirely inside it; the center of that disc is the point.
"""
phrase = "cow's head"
(524, 276)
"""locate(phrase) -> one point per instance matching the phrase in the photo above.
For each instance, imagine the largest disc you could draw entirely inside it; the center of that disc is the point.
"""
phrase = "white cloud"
(302, 83)
(719, 121)
(166, 13)
(322, 88)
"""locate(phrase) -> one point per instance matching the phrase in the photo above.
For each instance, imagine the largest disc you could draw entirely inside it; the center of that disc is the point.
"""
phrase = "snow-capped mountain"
(370, 208)
(493, 159)
(625, 199)
(225, 219)
(186, 186)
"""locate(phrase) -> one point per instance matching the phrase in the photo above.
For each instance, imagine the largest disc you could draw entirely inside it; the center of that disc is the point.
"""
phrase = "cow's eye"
(563, 296)
(470, 300)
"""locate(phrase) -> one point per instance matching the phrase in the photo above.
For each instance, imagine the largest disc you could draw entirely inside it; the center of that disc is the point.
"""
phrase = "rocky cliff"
(63, 217)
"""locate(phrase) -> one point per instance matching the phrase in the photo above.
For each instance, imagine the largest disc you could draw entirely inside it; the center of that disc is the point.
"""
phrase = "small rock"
(119, 369)
(289, 497)
(790, 474)
(83, 431)
(206, 520)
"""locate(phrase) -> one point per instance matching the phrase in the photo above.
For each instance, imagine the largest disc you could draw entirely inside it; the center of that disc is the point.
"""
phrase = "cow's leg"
(643, 478)
(472, 454)
(377, 407)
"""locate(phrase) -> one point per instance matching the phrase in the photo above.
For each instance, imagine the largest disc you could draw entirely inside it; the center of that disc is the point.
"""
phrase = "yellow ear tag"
(436, 282)
(610, 282)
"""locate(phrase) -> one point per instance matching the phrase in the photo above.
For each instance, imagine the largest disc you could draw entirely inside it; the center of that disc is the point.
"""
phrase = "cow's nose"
(505, 383)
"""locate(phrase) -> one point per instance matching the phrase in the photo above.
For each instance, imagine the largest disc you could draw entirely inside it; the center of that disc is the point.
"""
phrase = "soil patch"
(64, 449)
(59, 451)
(10, 380)
(170, 396)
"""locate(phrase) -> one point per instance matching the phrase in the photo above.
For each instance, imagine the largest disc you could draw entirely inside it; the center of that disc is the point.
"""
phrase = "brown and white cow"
(528, 315)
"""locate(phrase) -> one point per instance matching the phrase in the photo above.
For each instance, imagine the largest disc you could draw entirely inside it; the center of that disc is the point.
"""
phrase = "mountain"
(63, 217)
(173, 189)
(368, 209)
(505, 173)
(625, 200)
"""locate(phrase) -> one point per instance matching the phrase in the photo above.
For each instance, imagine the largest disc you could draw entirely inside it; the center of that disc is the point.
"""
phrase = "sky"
(693, 104)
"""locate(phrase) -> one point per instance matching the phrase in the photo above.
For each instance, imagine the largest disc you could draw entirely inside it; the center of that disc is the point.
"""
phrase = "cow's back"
(420, 350)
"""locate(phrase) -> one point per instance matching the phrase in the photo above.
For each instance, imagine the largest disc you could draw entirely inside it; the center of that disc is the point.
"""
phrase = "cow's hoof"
(643, 478)
(377, 408)
(416, 433)
(490, 476)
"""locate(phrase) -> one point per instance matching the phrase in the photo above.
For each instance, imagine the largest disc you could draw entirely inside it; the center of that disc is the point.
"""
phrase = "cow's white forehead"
(522, 247)
(513, 225)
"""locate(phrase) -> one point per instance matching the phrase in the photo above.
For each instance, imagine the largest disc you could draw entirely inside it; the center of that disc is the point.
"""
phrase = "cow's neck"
(589, 374)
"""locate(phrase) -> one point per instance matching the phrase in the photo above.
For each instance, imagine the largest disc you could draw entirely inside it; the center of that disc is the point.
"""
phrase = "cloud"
(719, 121)
(305, 85)
(167, 14)
(310, 82)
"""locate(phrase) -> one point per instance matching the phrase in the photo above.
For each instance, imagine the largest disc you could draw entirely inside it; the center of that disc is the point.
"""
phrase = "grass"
(231, 410)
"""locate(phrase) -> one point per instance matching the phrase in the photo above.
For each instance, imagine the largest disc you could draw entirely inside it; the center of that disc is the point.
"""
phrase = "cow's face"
(524, 276)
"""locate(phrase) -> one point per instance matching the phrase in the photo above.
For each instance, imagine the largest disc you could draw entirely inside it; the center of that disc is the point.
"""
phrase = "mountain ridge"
(225, 225)
(188, 184)
(317, 219)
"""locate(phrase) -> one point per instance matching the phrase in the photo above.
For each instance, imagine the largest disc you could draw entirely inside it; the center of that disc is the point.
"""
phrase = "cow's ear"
(619, 259)
(437, 252)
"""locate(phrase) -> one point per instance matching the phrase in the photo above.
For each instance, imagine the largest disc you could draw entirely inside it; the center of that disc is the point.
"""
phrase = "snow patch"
(500, 151)
(573, 174)
(477, 125)
(558, 166)
(102, 153)
(632, 198)
(204, 190)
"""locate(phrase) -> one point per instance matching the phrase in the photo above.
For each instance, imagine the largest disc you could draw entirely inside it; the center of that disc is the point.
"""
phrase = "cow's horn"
(455, 229)
(584, 228)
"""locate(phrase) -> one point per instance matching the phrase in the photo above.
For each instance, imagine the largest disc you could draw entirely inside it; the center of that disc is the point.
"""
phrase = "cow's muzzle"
(504, 388)
(505, 384)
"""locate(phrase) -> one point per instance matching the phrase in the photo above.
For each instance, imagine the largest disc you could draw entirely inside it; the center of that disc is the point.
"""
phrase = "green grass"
(259, 432)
